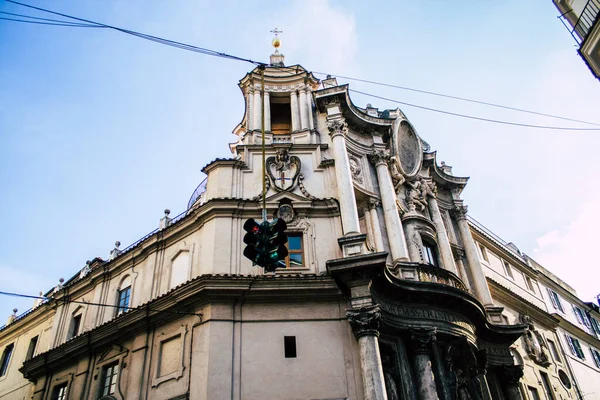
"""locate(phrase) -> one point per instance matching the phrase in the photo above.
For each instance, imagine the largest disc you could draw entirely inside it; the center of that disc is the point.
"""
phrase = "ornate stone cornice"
(365, 321)
(337, 127)
(423, 338)
(380, 157)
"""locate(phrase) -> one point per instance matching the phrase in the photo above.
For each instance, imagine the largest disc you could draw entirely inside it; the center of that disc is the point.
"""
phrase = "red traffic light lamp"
(266, 243)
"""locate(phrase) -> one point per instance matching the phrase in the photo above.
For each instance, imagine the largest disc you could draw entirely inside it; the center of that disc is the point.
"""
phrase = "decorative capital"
(373, 203)
(423, 338)
(380, 157)
(337, 127)
(512, 374)
(364, 321)
(459, 212)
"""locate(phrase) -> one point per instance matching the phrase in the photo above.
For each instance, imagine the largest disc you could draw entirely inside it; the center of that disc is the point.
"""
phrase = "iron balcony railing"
(587, 19)
(200, 190)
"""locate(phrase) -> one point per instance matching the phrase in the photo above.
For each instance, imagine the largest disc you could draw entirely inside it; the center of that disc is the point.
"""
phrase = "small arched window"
(124, 295)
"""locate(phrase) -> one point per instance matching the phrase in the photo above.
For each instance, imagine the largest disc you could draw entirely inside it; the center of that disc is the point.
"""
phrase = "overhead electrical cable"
(474, 117)
(456, 98)
(27, 296)
(229, 56)
(51, 23)
(146, 36)
(48, 19)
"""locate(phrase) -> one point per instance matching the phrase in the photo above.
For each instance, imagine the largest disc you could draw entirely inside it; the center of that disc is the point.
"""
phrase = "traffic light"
(266, 243)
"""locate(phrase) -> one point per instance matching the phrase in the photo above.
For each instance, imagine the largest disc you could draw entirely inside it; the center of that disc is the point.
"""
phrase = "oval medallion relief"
(407, 148)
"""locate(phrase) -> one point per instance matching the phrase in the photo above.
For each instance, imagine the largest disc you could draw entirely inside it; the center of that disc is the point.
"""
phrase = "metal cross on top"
(276, 32)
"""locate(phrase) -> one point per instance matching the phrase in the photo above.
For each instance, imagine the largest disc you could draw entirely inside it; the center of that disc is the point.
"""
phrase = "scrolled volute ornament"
(422, 339)
(379, 157)
(364, 321)
(459, 211)
(337, 127)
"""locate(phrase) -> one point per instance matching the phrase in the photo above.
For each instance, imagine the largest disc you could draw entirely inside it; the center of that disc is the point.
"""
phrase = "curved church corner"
(384, 295)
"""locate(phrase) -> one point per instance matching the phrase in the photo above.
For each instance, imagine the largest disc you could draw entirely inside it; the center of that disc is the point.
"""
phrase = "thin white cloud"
(569, 252)
(319, 35)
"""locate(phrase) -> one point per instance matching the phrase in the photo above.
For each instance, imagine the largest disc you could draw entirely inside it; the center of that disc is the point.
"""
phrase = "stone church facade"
(385, 294)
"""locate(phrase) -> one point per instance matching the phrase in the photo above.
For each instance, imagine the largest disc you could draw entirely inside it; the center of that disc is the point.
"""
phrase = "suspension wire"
(456, 98)
(70, 24)
(167, 42)
(262, 122)
(474, 117)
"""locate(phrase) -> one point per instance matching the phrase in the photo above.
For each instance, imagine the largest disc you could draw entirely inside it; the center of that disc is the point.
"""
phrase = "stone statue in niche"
(535, 345)
(395, 172)
(417, 193)
(356, 170)
(283, 170)
(461, 364)
(391, 374)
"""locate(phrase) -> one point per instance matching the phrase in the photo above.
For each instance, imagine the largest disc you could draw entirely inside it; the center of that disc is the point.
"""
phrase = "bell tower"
(288, 103)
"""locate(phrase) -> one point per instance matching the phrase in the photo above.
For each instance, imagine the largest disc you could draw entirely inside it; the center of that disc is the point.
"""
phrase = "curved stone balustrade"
(431, 274)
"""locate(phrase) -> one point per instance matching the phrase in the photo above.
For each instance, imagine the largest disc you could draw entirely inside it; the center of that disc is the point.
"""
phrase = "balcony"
(586, 21)
(430, 274)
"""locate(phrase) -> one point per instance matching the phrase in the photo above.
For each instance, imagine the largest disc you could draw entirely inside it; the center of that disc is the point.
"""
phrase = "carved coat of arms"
(283, 170)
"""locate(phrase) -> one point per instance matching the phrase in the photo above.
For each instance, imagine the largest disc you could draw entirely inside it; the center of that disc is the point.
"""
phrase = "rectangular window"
(60, 392)
(75, 325)
(483, 252)
(596, 357)
(554, 350)
(595, 326)
(547, 386)
(578, 314)
(110, 373)
(575, 347)
(529, 283)
(429, 254)
(124, 295)
(555, 300)
(31, 349)
(289, 346)
(533, 393)
(295, 258)
(508, 270)
(6, 354)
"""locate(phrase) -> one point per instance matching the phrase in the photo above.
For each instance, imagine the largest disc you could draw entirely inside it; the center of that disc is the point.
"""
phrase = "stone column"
(481, 356)
(476, 275)
(267, 105)
(423, 339)
(377, 237)
(393, 223)
(442, 236)
(257, 110)
(510, 382)
(440, 373)
(460, 266)
(311, 124)
(250, 116)
(365, 325)
(414, 248)
(348, 209)
(294, 107)
(303, 110)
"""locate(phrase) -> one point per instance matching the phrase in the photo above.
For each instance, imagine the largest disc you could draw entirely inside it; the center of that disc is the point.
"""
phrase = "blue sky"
(101, 131)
